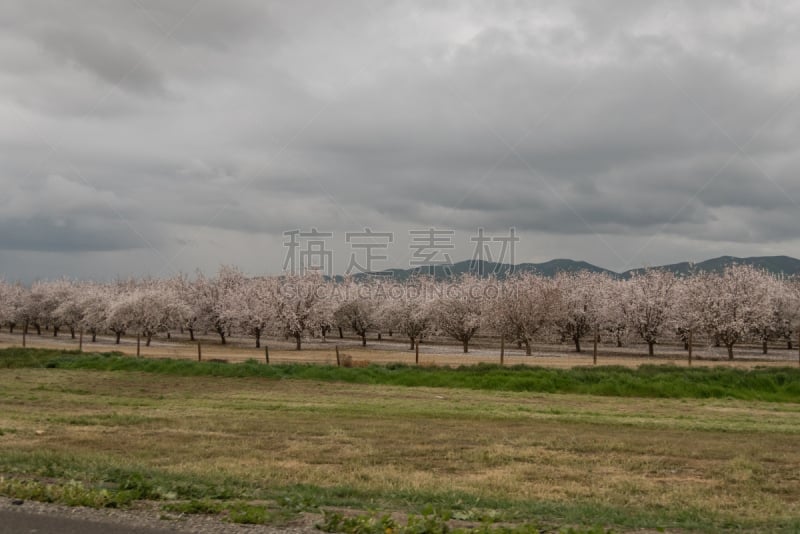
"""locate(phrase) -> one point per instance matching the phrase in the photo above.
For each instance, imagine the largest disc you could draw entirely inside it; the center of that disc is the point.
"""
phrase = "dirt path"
(55, 519)
(394, 350)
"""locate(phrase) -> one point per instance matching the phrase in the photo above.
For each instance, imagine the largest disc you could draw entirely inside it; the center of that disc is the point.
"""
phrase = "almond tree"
(15, 296)
(359, 309)
(649, 303)
(767, 326)
(38, 307)
(737, 301)
(70, 309)
(95, 302)
(299, 304)
(149, 310)
(525, 305)
(583, 297)
(689, 306)
(7, 311)
(247, 306)
(117, 314)
(458, 312)
(787, 311)
(612, 310)
(191, 292)
(409, 309)
(207, 298)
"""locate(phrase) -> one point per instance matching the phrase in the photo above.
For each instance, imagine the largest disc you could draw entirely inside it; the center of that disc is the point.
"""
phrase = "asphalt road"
(22, 522)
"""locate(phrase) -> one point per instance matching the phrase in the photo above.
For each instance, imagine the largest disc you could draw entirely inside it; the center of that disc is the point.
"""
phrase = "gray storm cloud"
(616, 132)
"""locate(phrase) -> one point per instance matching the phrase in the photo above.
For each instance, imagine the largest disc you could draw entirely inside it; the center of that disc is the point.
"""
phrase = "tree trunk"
(519, 344)
(11, 331)
(577, 343)
(298, 341)
(619, 341)
(191, 334)
(72, 331)
(94, 337)
(341, 333)
(379, 336)
(527, 347)
(413, 342)
(730, 351)
(258, 339)
(466, 346)
(364, 339)
(764, 347)
(55, 331)
(650, 347)
(119, 335)
(149, 338)
(38, 330)
(686, 345)
(221, 333)
(717, 342)
(789, 344)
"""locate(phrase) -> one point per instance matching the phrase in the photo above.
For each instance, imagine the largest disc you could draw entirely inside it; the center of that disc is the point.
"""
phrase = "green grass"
(109, 486)
(263, 450)
(653, 381)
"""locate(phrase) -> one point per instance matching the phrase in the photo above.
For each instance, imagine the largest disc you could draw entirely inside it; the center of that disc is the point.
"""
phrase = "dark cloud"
(620, 133)
(72, 235)
(112, 60)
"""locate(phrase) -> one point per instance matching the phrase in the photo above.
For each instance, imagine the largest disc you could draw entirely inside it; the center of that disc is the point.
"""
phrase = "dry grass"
(724, 460)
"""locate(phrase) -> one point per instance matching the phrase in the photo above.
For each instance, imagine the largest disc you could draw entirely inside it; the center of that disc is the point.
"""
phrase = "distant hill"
(774, 264)
(552, 267)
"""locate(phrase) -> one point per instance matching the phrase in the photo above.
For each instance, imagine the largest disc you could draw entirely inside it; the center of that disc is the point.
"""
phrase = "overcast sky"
(149, 137)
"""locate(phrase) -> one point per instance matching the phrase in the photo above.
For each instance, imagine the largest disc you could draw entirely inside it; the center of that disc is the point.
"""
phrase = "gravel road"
(41, 518)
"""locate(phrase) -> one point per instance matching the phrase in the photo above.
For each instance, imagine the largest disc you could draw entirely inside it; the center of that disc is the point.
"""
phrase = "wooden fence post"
(199, 353)
(502, 349)
(266, 353)
(338, 361)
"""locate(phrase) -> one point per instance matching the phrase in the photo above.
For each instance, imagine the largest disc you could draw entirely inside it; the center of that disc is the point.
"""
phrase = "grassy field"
(265, 449)
(667, 381)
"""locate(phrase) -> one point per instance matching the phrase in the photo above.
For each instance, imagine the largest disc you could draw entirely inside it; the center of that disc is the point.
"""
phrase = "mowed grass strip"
(693, 464)
(654, 381)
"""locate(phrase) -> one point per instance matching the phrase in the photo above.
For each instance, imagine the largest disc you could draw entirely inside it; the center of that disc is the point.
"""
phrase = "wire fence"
(388, 352)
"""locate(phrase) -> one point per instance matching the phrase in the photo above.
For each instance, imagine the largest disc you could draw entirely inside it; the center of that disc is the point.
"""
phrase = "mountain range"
(784, 265)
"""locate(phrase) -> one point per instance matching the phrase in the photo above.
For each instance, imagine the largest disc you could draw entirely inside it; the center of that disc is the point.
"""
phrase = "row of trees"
(739, 304)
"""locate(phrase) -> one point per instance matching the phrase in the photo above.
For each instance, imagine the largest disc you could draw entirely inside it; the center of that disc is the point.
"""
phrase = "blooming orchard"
(741, 304)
